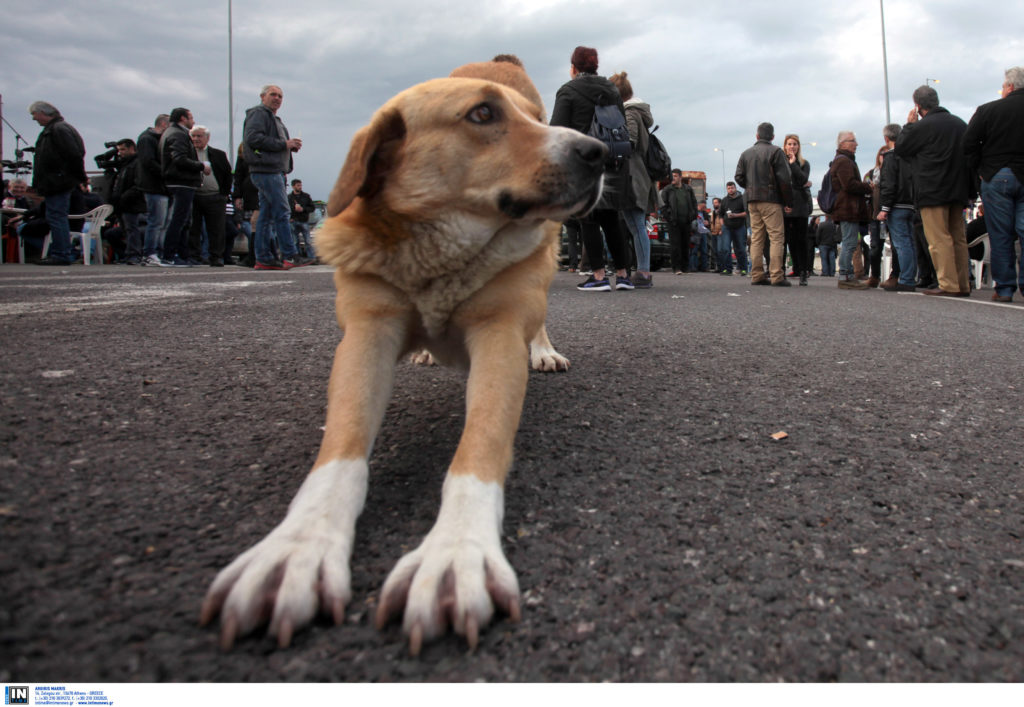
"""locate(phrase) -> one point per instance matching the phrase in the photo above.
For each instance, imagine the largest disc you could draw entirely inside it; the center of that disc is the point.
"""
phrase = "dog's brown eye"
(481, 114)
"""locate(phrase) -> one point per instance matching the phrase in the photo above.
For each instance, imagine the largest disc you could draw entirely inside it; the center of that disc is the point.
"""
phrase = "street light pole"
(231, 94)
(719, 149)
(885, 63)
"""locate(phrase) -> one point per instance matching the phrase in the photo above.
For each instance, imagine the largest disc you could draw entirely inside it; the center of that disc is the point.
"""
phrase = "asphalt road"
(153, 424)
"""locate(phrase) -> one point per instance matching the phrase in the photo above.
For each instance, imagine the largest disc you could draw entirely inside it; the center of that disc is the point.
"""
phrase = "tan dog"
(439, 225)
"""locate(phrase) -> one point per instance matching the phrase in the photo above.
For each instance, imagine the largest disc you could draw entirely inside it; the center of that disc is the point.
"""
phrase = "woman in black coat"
(574, 108)
(795, 218)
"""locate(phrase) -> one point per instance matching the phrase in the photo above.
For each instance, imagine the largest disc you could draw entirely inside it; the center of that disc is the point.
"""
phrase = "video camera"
(108, 161)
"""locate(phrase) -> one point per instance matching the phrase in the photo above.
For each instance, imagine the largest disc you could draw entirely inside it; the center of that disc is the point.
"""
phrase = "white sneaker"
(152, 260)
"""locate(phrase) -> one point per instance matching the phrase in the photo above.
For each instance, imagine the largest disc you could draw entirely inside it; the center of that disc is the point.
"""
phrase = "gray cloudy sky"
(711, 71)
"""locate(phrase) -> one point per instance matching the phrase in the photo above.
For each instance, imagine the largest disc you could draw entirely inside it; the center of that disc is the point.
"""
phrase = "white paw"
(545, 358)
(458, 574)
(302, 565)
(422, 358)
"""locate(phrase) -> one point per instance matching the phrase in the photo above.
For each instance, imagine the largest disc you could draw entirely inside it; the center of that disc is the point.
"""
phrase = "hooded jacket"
(641, 189)
(151, 178)
(896, 185)
(574, 108)
(59, 165)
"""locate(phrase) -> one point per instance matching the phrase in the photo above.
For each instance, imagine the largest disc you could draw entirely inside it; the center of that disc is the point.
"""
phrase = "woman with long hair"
(642, 197)
(795, 217)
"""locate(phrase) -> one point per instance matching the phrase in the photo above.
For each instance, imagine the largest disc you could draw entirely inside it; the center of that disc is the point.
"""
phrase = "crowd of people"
(920, 191)
(177, 201)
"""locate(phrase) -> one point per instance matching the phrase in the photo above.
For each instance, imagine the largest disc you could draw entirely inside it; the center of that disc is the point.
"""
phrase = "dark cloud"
(711, 72)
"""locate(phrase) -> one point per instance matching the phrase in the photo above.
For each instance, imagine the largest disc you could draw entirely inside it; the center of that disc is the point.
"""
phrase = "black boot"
(803, 278)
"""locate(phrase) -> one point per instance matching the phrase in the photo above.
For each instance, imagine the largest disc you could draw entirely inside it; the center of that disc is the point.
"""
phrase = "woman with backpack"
(575, 105)
(641, 193)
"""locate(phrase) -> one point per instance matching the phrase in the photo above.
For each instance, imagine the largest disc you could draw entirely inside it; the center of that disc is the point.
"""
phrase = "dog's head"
(466, 146)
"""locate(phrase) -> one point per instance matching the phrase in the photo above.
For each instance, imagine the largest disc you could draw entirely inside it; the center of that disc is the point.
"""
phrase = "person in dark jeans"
(301, 205)
(734, 231)
(183, 173)
(680, 209)
(574, 108)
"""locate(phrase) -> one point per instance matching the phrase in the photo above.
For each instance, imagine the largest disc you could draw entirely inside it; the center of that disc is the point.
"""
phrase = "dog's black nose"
(591, 153)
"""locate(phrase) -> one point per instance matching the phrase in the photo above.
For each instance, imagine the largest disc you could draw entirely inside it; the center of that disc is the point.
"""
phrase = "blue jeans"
(179, 223)
(699, 253)
(828, 260)
(636, 220)
(733, 240)
(901, 233)
(1003, 197)
(156, 223)
(300, 231)
(57, 206)
(851, 234)
(275, 218)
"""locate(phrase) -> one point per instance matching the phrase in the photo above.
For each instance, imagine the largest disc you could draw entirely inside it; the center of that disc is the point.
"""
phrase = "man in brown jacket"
(851, 207)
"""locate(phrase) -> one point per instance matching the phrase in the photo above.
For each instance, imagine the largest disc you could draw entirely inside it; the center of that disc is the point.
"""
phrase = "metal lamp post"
(719, 149)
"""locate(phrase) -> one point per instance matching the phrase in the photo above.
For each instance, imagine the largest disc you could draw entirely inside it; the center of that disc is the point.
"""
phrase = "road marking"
(93, 295)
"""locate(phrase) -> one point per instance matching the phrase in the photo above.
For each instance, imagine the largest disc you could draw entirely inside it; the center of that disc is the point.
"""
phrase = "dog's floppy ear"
(370, 157)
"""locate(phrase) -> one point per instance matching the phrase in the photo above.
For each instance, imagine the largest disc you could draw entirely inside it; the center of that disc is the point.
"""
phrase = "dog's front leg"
(459, 573)
(303, 563)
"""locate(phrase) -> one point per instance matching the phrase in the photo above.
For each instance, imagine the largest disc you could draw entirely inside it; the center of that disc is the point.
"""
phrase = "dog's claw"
(284, 633)
(415, 639)
(338, 611)
(472, 632)
(228, 633)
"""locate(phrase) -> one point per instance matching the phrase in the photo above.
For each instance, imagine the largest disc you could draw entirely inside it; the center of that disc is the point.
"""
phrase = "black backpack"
(827, 195)
(609, 126)
(656, 160)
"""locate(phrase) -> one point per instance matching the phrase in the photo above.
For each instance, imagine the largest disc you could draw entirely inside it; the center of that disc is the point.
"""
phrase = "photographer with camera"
(128, 200)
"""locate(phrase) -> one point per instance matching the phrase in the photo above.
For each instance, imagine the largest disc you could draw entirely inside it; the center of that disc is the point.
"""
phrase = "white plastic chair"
(89, 235)
(986, 259)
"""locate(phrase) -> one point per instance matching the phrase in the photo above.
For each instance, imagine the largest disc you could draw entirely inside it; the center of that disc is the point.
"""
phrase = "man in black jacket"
(896, 196)
(933, 145)
(128, 200)
(183, 173)
(209, 204)
(58, 169)
(301, 205)
(994, 145)
(733, 211)
(151, 182)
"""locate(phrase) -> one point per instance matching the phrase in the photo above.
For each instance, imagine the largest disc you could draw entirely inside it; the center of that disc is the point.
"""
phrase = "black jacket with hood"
(574, 108)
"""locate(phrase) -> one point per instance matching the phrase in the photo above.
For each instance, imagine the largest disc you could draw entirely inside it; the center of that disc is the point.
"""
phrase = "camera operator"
(109, 162)
(128, 201)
